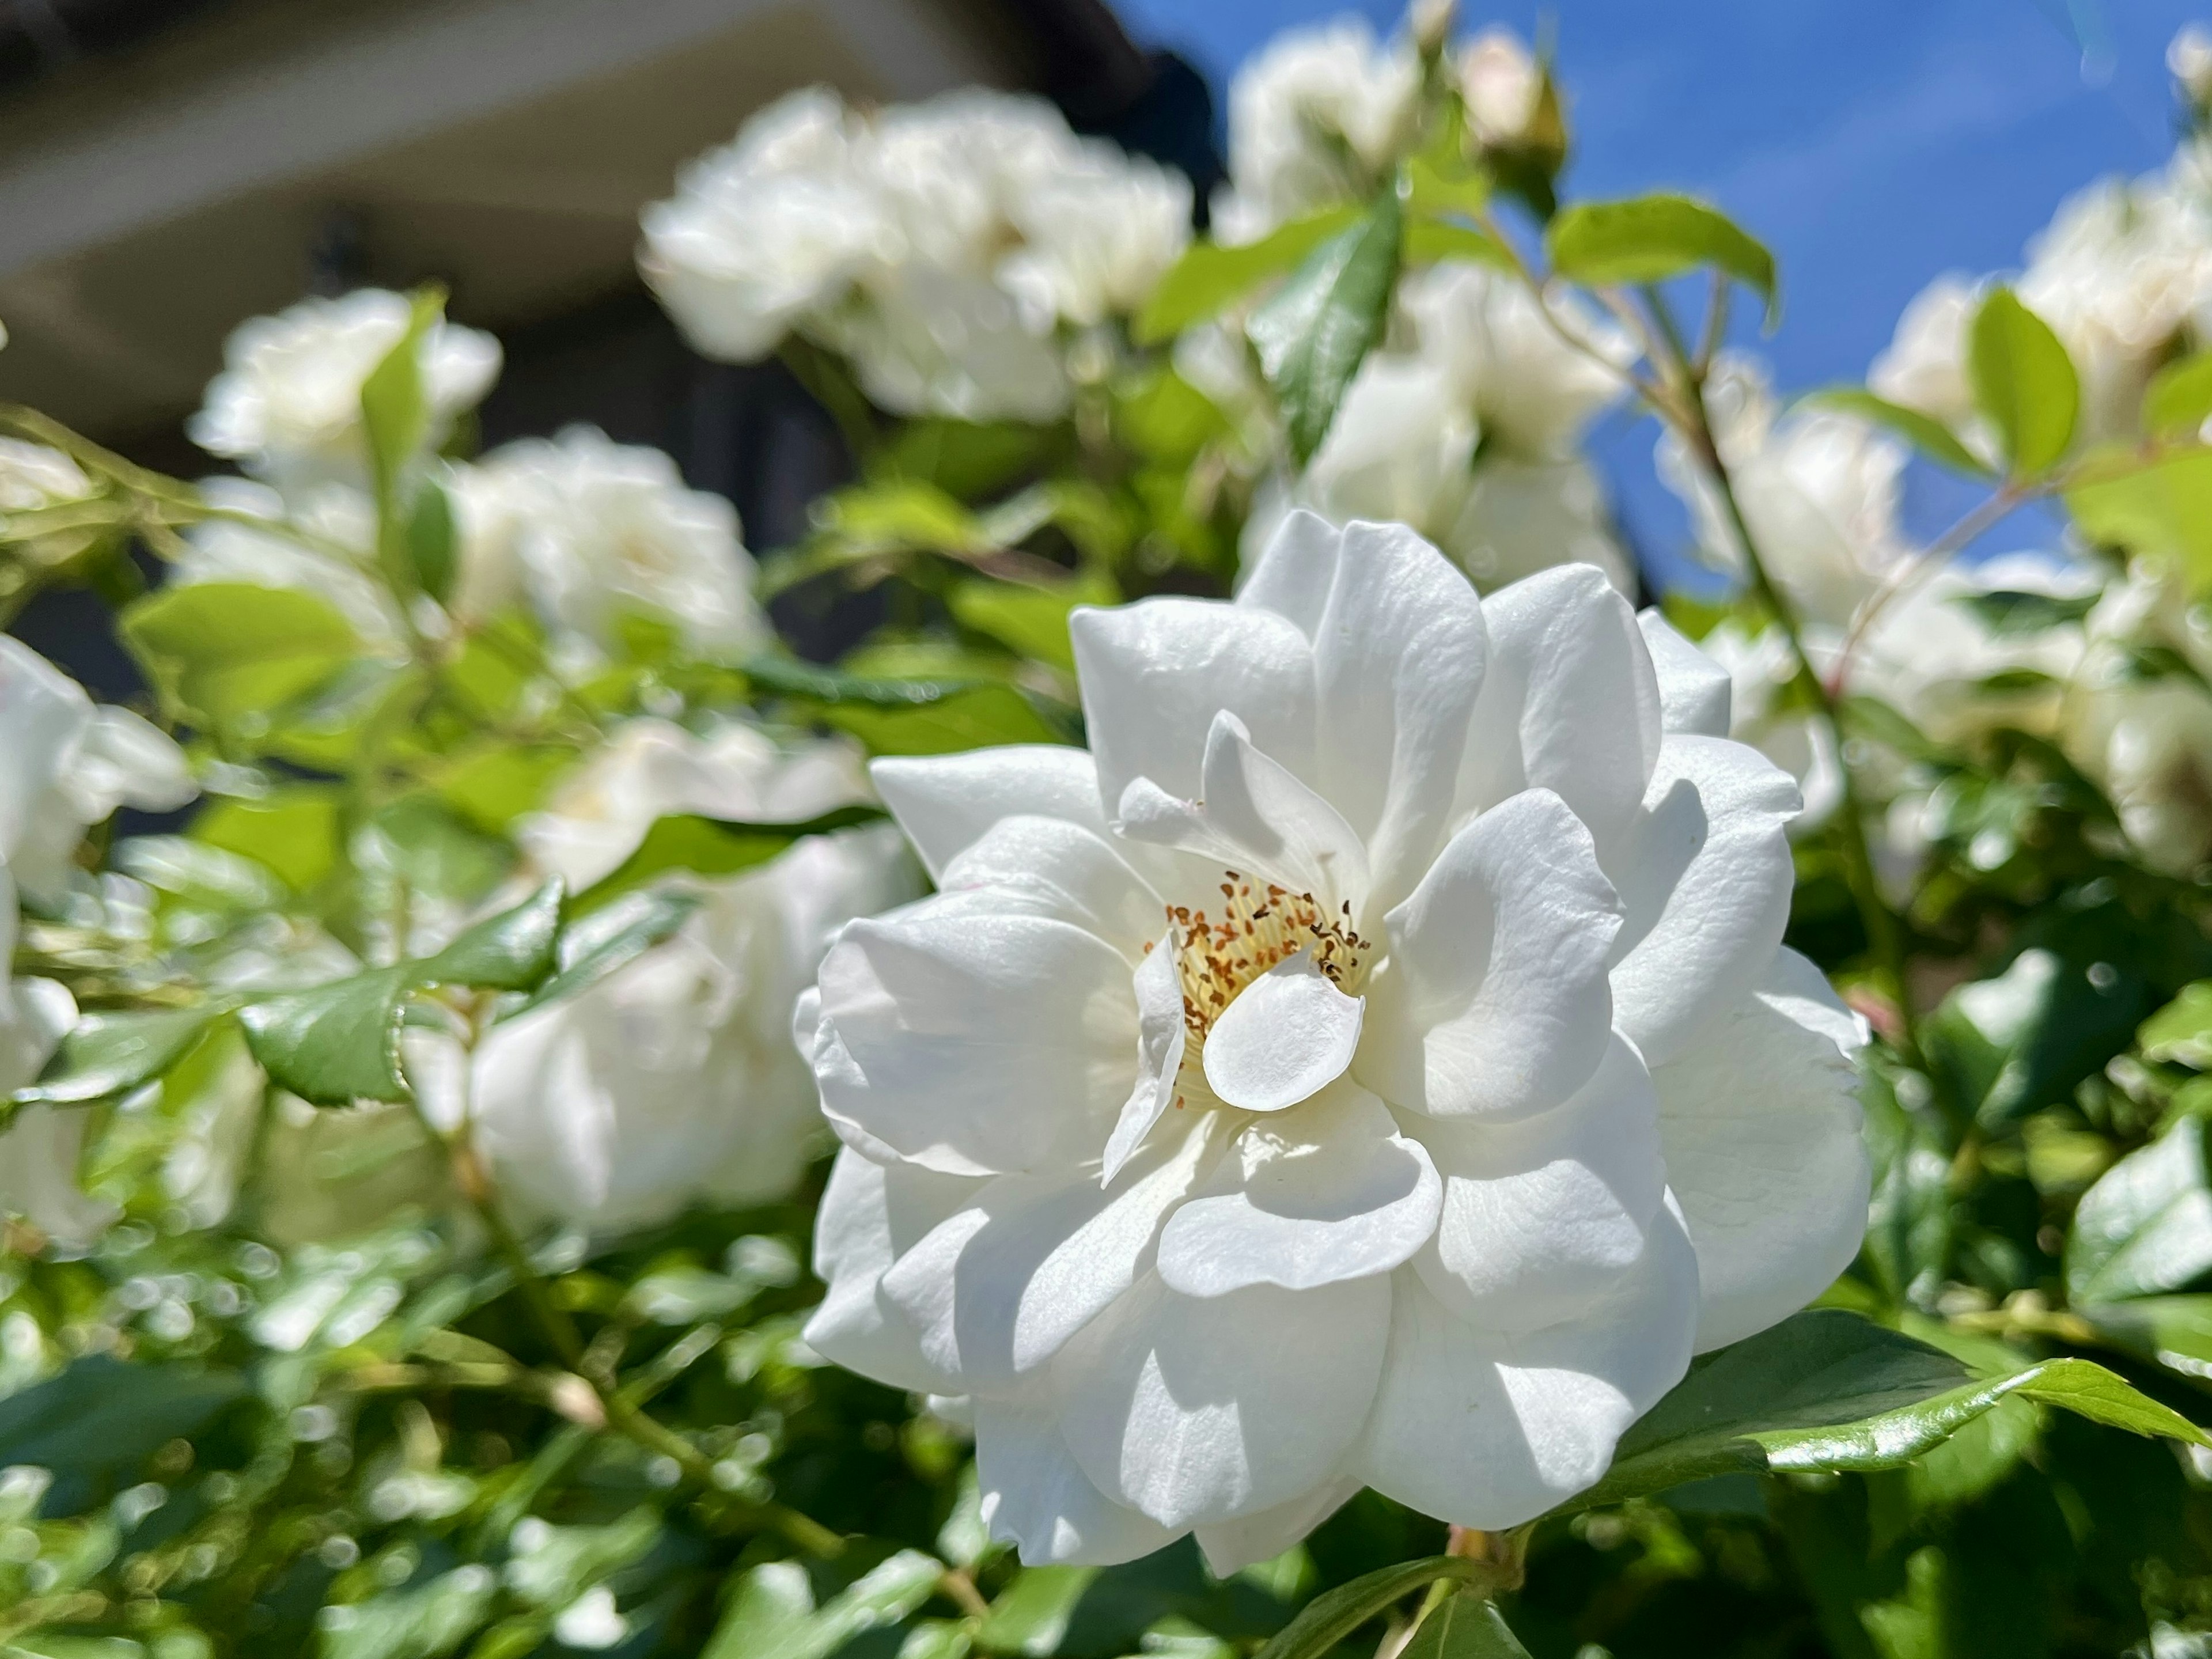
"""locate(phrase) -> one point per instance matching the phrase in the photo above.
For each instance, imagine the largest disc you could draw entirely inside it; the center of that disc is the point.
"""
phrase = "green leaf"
(980, 717)
(1439, 183)
(514, 950)
(1826, 1390)
(219, 650)
(609, 938)
(563, 1562)
(1429, 240)
(1465, 1627)
(431, 847)
(2162, 508)
(1924, 432)
(196, 875)
(1333, 1615)
(426, 1621)
(104, 1054)
(2179, 400)
(433, 540)
(2008, 1046)
(293, 830)
(1210, 277)
(770, 1617)
(1313, 335)
(788, 677)
(2146, 1225)
(2182, 1031)
(1031, 1615)
(712, 846)
(1030, 621)
(2173, 1331)
(901, 515)
(1165, 418)
(395, 410)
(336, 1043)
(769, 1614)
(2008, 614)
(99, 1419)
(1648, 239)
(2023, 381)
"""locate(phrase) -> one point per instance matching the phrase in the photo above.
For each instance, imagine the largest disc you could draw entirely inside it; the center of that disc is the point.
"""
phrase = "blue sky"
(1870, 144)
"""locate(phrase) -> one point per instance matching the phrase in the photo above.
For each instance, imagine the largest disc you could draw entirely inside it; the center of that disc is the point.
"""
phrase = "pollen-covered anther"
(1257, 928)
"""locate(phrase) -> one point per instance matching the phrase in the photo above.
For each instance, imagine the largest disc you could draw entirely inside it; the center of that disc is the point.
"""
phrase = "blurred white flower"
(339, 567)
(674, 1079)
(938, 245)
(1819, 490)
(1316, 116)
(1338, 1076)
(65, 765)
(1760, 667)
(1501, 85)
(1925, 364)
(588, 530)
(1532, 391)
(1401, 450)
(1524, 516)
(2189, 60)
(287, 406)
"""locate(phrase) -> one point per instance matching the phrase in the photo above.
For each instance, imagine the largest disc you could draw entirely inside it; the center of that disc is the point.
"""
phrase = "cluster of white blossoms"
(65, 765)
(1373, 1062)
(674, 1080)
(579, 531)
(941, 247)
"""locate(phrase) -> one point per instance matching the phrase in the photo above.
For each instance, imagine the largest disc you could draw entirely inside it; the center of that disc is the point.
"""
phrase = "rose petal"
(1160, 1043)
(1694, 690)
(1035, 1497)
(870, 1215)
(1288, 1035)
(1052, 867)
(945, 802)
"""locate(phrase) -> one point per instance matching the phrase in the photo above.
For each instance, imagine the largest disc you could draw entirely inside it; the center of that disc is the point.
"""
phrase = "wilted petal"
(945, 802)
(1494, 1000)
(1694, 689)
(1035, 1497)
(1760, 1121)
(1289, 1035)
(1542, 1215)
(1706, 879)
(1330, 1191)
(1488, 1430)
(1198, 1410)
(1154, 674)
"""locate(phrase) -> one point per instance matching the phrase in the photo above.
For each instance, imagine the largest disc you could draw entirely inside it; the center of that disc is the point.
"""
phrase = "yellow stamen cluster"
(1216, 959)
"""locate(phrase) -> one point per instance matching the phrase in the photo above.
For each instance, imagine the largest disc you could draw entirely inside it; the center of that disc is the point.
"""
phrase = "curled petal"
(1329, 1192)
(1288, 1035)
(1494, 1000)
(1760, 1121)
(945, 802)
(1694, 690)
(1202, 1410)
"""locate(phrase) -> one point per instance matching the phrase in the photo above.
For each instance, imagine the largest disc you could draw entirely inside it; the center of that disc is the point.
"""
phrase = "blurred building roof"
(170, 166)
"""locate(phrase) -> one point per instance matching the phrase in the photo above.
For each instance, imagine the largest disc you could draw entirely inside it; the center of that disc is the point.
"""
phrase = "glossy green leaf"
(1924, 432)
(1030, 1617)
(336, 1043)
(771, 1612)
(1031, 622)
(1826, 1390)
(1648, 239)
(2182, 1031)
(2008, 614)
(428, 1620)
(1440, 183)
(2179, 400)
(295, 830)
(2146, 1225)
(712, 846)
(430, 847)
(514, 950)
(106, 1054)
(1465, 1627)
(563, 1562)
(1313, 335)
(2008, 1046)
(95, 1423)
(1209, 276)
(1429, 240)
(219, 650)
(2162, 508)
(609, 938)
(1334, 1614)
(771, 1615)
(2023, 381)
(2173, 1331)
(433, 540)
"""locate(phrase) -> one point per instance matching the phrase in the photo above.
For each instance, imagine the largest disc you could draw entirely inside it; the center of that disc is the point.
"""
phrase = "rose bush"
(1348, 1088)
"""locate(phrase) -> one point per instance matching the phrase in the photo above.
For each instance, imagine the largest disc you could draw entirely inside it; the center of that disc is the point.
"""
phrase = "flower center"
(1256, 929)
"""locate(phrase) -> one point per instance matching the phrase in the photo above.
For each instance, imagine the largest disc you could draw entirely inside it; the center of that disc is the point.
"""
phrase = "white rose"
(1925, 364)
(1501, 86)
(1525, 516)
(340, 566)
(674, 1080)
(1096, 238)
(955, 169)
(1760, 667)
(1315, 118)
(287, 406)
(1374, 1063)
(1533, 392)
(589, 530)
(931, 341)
(1401, 448)
(2189, 60)
(1819, 490)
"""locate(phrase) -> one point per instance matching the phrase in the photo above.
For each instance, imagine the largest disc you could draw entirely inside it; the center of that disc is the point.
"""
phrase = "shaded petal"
(1293, 576)
(1541, 1216)
(1063, 871)
(870, 1215)
(1202, 1410)
(1035, 1497)
(1331, 1191)
(1759, 1122)
(1694, 689)
(1234, 1545)
(1288, 1035)
(1160, 1033)
(1570, 702)
(975, 1042)
(945, 802)
(1488, 1430)
(1155, 673)
(1706, 879)
(1493, 1000)
(1398, 661)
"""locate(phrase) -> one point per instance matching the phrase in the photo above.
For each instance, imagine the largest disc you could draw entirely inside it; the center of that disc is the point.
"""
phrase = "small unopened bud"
(1431, 21)
(2189, 58)
(1503, 87)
